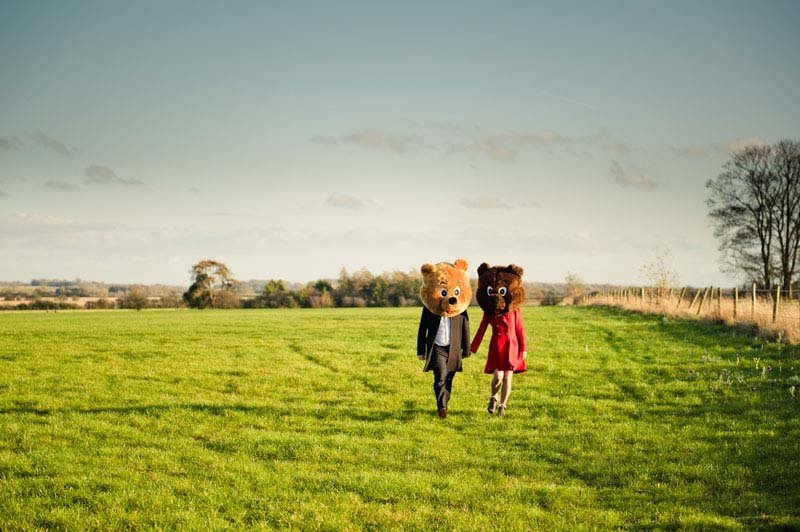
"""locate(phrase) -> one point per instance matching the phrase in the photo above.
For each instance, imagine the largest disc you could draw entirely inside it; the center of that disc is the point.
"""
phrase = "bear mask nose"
(452, 301)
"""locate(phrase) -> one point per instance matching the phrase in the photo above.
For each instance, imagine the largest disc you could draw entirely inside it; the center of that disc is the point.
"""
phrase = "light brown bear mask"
(445, 289)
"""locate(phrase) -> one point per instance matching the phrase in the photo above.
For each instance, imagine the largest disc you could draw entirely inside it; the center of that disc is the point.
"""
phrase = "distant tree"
(378, 291)
(325, 300)
(658, 273)
(172, 300)
(575, 285)
(550, 298)
(213, 285)
(276, 295)
(135, 298)
(323, 285)
(362, 285)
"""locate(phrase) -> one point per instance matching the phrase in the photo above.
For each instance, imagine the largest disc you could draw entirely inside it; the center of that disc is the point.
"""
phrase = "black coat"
(459, 338)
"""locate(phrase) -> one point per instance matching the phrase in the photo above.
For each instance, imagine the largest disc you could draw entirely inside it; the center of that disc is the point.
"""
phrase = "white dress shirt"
(443, 334)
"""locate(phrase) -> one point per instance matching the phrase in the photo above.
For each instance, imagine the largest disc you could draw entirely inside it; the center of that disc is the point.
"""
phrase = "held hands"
(421, 357)
(524, 355)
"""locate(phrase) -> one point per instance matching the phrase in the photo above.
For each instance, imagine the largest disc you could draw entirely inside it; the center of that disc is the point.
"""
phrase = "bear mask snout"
(499, 303)
(452, 300)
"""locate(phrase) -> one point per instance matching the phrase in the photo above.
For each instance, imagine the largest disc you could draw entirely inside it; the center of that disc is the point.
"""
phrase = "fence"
(776, 311)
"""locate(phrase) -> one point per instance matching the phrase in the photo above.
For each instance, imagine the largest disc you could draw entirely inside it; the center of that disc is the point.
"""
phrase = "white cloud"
(606, 142)
(131, 182)
(6, 144)
(103, 175)
(50, 143)
(99, 175)
(374, 139)
(624, 179)
(719, 148)
(497, 150)
(484, 203)
(344, 201)
(505, 146)
(739, 144)
(59, 185)
(453, 138)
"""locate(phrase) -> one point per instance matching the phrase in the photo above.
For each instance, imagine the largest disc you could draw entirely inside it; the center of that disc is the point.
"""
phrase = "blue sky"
(292, 139)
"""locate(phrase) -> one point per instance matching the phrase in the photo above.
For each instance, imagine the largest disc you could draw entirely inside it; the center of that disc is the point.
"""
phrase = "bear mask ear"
(516, 270)
(427, 268)
(461, 264)
(482, 268)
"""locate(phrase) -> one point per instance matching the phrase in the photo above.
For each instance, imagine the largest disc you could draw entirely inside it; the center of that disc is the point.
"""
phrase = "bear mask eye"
(444, 292)
(489, 290)
(457, 291)
(502, 290)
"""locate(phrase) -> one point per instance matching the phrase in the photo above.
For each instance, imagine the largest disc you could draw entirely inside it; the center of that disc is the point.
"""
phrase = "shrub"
(135, 298)
(101, 303)
(226, 299)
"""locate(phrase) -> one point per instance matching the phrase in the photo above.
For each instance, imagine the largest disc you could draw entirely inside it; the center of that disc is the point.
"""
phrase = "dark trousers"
(442, 379)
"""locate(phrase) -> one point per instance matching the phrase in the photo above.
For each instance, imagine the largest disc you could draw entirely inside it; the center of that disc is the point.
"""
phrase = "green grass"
(322, 419)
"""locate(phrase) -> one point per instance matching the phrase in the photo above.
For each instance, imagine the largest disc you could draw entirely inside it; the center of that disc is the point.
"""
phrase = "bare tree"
(784, 166)
(658, 272)
(742, 207)
(575, 285)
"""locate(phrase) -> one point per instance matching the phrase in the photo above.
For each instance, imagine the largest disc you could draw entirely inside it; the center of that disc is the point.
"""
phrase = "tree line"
(214, 287)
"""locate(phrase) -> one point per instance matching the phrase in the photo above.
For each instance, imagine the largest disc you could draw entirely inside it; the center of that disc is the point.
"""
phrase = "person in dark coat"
(443, 335)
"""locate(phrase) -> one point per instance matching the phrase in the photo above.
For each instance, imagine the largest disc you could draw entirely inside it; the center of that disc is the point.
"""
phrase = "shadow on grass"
(699, 333)
(407, 413)
(749, 427)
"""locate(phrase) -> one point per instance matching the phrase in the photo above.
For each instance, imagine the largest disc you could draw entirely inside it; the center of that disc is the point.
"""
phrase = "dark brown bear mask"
(500, 288)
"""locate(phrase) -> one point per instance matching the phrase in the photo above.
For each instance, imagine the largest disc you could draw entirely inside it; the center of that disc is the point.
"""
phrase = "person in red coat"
(500, 293)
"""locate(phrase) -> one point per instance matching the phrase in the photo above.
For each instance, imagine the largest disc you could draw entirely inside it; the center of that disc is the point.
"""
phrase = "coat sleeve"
(520, 330)
(476, 342)
(465, 336)
(421, 333)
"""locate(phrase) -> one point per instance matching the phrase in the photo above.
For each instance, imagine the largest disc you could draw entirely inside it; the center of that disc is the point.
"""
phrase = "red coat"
(507, 343)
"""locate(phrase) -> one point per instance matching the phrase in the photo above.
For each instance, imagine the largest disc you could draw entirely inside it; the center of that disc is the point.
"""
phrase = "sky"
(291, 139)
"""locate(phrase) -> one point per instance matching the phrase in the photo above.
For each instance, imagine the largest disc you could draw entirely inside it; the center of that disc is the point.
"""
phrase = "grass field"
(322, 419)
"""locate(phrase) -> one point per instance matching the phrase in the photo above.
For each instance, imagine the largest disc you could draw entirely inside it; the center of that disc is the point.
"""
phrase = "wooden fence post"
(753, 304)
(703, 300)
(735, 301)
(694, 299)
(776, 303)
(719, 301)
(680, 298)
